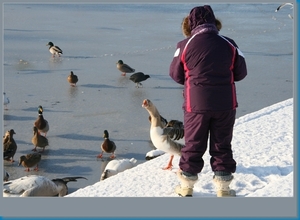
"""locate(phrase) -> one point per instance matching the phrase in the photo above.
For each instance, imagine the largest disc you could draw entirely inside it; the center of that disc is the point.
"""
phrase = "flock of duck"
(165, 136)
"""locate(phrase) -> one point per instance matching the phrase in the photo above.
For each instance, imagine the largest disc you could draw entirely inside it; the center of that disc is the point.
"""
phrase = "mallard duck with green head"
(54, 50)
(41, 123)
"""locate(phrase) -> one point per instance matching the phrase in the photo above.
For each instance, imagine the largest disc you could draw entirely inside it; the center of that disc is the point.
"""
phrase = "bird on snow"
(160, 135)
(72, 79)
(34, 185)
(5, 100)
(138, 77)
(54, 50)
(30, 160)
(116, 166)
(124, 68)
(153, 154)
(107, 146)
(283, 5)
(41, 123)
(9, 146)
(38, 140)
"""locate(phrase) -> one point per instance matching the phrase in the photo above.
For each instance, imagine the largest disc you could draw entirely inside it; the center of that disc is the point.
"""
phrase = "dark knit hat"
(201, 15)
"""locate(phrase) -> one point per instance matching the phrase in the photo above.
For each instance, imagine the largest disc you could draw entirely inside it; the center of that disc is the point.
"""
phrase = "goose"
(72, 79)
(174, 129)
(159, 136)
(138, 77)
(116, 166)
(30, 160)
(5, 101)
(54, 50)
(107, 146)
(9, 146)
(35, 185)
(124, 68)
(285, 4)
(41, 123)
(38, 140)
(5, 175)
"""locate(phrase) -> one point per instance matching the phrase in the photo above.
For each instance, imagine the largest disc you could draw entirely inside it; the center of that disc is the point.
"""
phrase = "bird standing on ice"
(124, 68)
(107, 146)
(9, 146)
(54, 50)
(160, 135)
(138, 77)
(5, 100)
(41, 123)
(72, 79)
(30, 160)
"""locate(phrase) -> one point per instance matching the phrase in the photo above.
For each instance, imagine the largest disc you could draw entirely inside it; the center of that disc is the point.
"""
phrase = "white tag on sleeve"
(177, 52)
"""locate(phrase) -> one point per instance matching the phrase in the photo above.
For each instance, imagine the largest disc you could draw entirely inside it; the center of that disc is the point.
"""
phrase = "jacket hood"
(201, 15)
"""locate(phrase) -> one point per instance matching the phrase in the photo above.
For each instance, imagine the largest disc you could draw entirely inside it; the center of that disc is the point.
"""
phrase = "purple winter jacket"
(208, 64)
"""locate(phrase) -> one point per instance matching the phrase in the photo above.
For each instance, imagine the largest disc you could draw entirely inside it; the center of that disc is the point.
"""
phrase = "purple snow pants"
(198, 127)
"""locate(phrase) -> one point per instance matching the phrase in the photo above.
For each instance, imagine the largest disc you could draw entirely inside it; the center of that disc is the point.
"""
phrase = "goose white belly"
(31, 185)
(161, 141)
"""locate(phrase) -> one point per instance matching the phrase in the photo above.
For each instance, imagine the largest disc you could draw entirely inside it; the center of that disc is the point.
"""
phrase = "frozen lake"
(93, 38)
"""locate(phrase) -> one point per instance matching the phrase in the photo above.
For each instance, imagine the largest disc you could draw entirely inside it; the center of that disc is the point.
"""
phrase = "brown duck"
(72, 79)
(124, 68)
(107, 146)
(9, 146)
(30, 160)
(41, 123)
(38, 140)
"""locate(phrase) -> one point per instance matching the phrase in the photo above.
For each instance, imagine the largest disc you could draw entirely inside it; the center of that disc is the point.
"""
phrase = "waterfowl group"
(54, 50)
(124, 68)
(116, 166)
(9, 146)
(30, 160)
(72, 79)
(138, 77)
(160, 135)
(41, 123)
(107, 146)
(34, 185)
(38, 140)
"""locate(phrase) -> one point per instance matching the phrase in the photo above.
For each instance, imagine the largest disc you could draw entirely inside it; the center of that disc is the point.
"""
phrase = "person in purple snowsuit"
(207, 64)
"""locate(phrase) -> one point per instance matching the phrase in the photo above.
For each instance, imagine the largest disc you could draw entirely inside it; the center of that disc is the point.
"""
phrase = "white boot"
(186, 184)
(222, 186)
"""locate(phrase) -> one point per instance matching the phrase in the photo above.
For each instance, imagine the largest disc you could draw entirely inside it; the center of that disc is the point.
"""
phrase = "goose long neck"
(155, 117)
